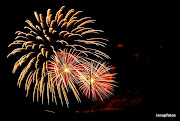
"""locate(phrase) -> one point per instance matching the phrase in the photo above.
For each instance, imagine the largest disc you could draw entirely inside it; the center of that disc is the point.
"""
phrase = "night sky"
(142, 46)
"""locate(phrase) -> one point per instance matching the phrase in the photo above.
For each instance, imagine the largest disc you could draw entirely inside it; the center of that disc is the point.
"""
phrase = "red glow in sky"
(120, 45)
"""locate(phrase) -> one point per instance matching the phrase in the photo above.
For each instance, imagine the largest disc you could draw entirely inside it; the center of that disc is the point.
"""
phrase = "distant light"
(108, 38)
(120, 45)
(77, 111)
(161, 46)
(136, 55)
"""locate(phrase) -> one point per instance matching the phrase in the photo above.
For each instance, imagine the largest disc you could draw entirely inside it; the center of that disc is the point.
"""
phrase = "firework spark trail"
(64, 69)
(101, 80)
(47, 38)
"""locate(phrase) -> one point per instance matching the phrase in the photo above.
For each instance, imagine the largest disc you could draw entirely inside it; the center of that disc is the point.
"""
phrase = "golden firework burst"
(50, 36)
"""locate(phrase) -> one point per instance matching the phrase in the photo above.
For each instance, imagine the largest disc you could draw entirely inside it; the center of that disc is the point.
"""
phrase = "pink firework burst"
(97, 81)
(64, 70)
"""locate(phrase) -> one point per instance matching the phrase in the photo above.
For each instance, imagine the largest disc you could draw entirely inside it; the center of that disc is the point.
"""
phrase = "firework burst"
(50, 36)
(68, 70)
(97, 81)
(63, 70)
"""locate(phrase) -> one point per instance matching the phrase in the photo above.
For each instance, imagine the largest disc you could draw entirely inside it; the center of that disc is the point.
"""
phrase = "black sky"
(146, 62)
